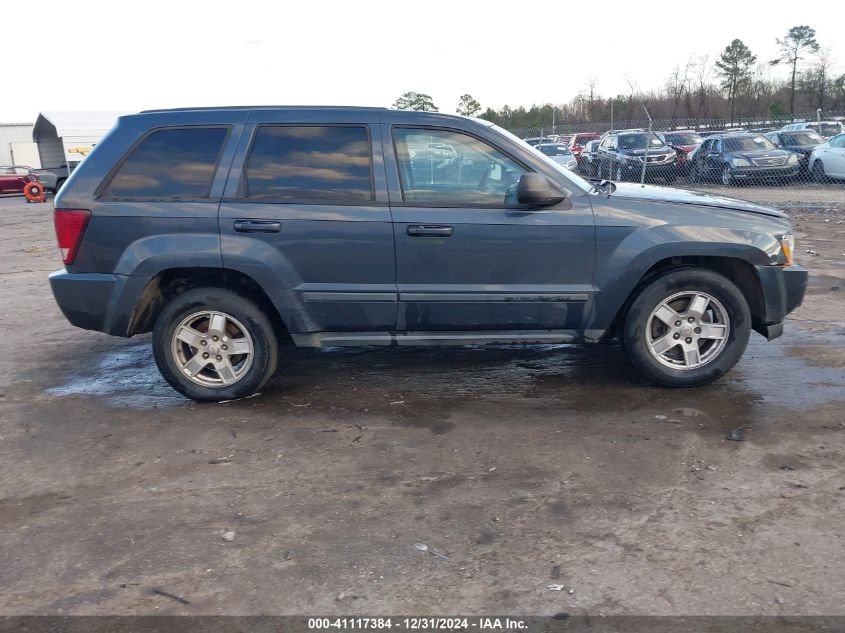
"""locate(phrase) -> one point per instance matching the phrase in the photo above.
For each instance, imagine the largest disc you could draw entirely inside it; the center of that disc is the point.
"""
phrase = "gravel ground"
(310, 498)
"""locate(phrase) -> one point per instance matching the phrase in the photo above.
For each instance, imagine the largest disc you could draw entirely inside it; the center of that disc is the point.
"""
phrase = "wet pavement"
(509, 460)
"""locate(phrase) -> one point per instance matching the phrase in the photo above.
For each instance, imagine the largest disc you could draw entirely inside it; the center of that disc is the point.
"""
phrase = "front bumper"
(765, 173)
(783, 290)
(101, 302)
(652, 169)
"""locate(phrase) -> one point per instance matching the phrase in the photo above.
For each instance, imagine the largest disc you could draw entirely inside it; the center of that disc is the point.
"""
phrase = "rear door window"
(170, 163)
(330, 163)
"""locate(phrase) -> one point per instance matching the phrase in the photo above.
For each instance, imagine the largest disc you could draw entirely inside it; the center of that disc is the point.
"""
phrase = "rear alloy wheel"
(727, 176)
(819, 174)
(687, 328)
(212, 344)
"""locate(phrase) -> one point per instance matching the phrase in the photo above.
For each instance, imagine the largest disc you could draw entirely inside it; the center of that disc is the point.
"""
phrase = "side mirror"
(535, 189)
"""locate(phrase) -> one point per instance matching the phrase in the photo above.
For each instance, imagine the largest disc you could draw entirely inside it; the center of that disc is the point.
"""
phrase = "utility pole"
(647, 142)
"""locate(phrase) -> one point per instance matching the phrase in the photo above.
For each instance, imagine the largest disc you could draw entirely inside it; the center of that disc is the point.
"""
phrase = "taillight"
(70, 225)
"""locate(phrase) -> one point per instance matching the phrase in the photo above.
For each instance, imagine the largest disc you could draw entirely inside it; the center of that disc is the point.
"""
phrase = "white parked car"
(560, 153)
(827, 129)
(828, 159)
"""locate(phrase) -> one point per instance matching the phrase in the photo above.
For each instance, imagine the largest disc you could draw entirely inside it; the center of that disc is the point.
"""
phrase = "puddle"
(423, 386)
(127, 377)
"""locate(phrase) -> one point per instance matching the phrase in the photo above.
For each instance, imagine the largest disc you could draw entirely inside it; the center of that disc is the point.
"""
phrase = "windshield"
(638, 141)
(827, 128)
(686, 138)
(747, 144)
(800, 138)
(569, 175)
(555, 150)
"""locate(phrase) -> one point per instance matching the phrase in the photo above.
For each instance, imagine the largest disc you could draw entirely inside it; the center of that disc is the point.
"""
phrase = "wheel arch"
(737, 270)
(171, 282)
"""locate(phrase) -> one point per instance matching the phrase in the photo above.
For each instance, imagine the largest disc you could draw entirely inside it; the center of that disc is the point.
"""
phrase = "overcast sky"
(97, 55)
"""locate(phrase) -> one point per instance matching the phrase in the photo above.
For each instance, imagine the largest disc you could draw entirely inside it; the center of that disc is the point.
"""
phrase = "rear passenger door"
(305, 213)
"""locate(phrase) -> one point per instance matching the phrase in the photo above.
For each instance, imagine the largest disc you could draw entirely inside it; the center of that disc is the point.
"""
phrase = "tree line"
(733, 86)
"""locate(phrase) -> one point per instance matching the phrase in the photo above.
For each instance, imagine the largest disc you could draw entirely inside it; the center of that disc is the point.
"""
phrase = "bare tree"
(703, 70)
(817, 81)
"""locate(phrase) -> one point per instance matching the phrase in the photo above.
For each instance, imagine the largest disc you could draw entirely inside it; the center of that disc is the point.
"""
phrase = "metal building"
(64, 138)
(16, 146)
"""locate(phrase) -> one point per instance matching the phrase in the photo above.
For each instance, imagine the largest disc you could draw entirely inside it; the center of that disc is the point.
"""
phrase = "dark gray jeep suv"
(222, 229)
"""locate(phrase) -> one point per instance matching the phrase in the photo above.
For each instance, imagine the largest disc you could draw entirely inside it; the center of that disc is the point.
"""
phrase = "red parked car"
(578, 141)
(13, 178)
(684, 142)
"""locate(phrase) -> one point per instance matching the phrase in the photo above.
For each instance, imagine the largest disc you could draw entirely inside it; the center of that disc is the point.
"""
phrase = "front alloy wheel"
(727, 176)
(687, 328)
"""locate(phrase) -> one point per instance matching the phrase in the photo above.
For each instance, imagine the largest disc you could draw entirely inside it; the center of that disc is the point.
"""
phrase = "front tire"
(819, 174)
(687, 328)
(212, 344)
(727, 176)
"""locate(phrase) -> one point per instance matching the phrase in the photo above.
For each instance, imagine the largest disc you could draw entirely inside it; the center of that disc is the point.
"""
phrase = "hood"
(698, 198)
(686, 148)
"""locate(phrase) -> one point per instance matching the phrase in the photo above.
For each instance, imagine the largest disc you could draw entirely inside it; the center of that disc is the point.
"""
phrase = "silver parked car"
(52, 177)
(559, 153)
(828, 159)
(827, 129)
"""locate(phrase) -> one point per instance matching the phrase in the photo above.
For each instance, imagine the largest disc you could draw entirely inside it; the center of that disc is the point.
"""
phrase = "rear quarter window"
(170, 163)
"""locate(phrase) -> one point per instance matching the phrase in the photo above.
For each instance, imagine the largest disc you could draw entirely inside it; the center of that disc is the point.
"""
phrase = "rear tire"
(59, 183)
(212, 344)
(696, 356)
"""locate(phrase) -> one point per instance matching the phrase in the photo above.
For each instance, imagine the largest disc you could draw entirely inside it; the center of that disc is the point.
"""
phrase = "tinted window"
(177, 162)
(555, 150)
(311, 162)
(804, 137)
(450, 168)
(747, 144)
(638, 141)
(686, 138)
(838, 141)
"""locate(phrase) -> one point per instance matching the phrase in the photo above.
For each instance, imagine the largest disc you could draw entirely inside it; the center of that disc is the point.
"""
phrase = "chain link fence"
(780, 162)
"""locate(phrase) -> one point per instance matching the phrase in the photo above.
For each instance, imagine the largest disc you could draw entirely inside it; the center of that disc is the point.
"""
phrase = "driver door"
(466, 257)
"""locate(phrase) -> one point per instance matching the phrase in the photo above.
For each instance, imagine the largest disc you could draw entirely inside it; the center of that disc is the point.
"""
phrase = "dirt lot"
(509, 460)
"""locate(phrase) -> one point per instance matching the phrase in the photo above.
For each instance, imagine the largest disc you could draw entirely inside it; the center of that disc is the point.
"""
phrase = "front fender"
(626, 254)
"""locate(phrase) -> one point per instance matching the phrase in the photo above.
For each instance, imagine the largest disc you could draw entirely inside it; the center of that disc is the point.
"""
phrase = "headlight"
(740, 162)
(792, 160)
(787, 245)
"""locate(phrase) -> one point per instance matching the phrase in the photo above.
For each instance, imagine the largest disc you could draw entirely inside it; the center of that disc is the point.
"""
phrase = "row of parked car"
(796, 151)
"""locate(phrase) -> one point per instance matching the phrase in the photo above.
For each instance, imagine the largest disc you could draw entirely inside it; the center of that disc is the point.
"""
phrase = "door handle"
(417, 230)
(257, 226)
